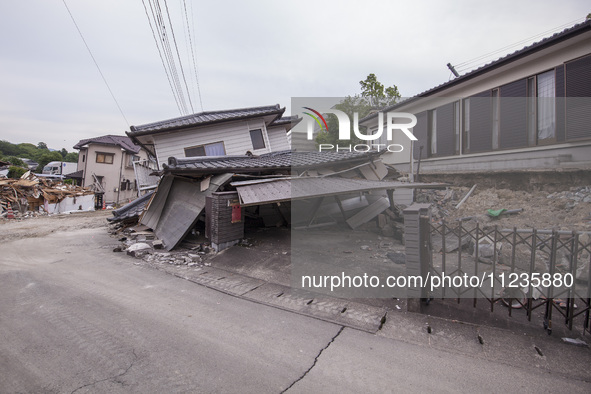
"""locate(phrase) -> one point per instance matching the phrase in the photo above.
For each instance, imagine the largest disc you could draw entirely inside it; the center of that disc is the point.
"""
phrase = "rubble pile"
(568, 210)
(31, 196)
(141, 243)
(573, 197)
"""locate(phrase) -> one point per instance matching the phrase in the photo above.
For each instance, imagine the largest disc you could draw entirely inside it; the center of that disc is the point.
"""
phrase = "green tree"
(63, 152)
(373, 97)
(16, 172)
(348, 105)
(376, 95)
(28, 151)
(15, 161)
(42, 146)
(71, 157)
(46, 158)
(8, 149)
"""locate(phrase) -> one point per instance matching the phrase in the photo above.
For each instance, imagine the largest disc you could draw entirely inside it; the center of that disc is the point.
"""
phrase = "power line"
(477, 61)
(95, 63)
(161, 25)
(178, 55)
(168, 77)
(192, 52)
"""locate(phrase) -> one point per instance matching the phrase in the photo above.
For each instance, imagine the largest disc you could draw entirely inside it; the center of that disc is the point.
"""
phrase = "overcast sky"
(248, 53)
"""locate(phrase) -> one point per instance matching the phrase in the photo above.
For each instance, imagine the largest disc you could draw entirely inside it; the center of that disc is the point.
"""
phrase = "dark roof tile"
(203, 118)
(274, 160)
(118, 140)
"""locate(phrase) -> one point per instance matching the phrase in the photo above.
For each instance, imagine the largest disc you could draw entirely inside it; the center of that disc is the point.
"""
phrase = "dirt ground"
(566, 210)
(43, 225)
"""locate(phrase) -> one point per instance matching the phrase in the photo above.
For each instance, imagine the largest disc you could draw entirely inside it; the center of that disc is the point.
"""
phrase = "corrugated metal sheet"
(302, 188)
(178, 211)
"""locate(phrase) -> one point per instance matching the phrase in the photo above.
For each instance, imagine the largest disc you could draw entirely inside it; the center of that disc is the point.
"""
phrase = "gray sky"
(249, 53)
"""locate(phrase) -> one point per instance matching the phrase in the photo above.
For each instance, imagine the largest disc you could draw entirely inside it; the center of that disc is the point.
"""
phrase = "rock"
(118, 249)
(451, 243)
(157, 244)
(523, 258)
(582, 273)
(397, 257)
(138, 246)
(137, 253)
(194, 257)
(364, 247)
(139, 249)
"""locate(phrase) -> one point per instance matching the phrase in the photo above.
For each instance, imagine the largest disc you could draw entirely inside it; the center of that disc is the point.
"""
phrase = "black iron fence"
(524, 269)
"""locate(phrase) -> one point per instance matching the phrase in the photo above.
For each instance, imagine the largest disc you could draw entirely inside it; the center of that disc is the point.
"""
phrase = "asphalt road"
(76, 317)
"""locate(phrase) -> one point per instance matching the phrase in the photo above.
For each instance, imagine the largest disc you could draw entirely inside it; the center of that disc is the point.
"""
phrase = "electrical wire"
(478, 61)
(95, 62)
(168, 77)
(192, 51)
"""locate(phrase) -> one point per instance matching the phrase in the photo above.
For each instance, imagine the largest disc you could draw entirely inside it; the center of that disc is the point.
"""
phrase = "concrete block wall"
(219, 227)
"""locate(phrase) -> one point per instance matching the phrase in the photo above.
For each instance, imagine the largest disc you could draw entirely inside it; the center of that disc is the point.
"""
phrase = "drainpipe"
(120, 173)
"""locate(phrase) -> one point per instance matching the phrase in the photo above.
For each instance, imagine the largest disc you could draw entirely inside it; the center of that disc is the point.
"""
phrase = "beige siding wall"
(278, 139)
(234, 135)
(536, 63)
(112, 174)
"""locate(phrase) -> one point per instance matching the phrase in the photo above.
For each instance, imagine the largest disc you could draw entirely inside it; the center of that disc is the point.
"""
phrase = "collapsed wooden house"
(31, 193)
(301, 189)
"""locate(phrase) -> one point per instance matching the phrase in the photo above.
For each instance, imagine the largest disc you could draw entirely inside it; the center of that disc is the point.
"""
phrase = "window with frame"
(495, 119)
(432, 136)
(214, 149)
(105, 158)
(131, 159)
(466, 125)
(457, 133)
(256, 136)
(541, 108)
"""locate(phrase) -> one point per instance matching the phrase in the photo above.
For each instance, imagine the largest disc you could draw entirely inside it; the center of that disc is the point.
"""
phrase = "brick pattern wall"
(219, 218)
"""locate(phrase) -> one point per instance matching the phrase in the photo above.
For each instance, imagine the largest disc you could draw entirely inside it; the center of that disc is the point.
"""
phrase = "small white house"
(108, 161)
(256, 130)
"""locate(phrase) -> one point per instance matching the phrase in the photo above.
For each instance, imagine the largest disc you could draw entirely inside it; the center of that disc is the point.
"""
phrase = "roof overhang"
(276, 191)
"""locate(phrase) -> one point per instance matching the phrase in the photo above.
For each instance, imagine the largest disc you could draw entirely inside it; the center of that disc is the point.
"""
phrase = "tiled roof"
(204, 118)
(286, 120)
(269, 161)
(131, 210)
(520, 53)
(118, 140)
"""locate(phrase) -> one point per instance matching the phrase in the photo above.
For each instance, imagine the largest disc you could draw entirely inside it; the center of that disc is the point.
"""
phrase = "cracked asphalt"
(77, 318)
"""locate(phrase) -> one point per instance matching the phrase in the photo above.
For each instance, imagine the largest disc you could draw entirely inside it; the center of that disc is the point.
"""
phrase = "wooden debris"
(30, 192)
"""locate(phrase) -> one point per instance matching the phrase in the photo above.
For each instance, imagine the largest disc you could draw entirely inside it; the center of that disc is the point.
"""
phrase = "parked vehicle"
(59, 168)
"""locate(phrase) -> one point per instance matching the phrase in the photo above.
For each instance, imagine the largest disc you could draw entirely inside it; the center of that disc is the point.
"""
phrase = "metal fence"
(524, 269)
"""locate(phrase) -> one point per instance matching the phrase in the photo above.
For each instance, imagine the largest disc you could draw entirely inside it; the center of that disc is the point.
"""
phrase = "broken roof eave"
(282, 190)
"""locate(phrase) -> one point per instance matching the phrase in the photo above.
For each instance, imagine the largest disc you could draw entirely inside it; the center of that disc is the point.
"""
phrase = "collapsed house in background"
(31, 195)
(301, 189)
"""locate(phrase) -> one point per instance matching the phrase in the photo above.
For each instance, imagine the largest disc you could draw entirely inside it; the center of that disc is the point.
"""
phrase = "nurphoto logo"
(315, 117)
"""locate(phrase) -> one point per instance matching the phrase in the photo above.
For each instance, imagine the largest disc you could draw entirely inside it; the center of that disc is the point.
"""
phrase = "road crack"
(113, 378)
(315, 360)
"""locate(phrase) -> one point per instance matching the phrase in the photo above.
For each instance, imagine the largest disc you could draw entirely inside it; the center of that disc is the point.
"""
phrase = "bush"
(15, 161)
(16, 172)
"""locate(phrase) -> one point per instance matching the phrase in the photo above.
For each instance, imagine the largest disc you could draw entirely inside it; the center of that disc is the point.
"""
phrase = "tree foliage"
(16, 172)
(71, 157)
(47, 158)
(39, 153)
(374, 96)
